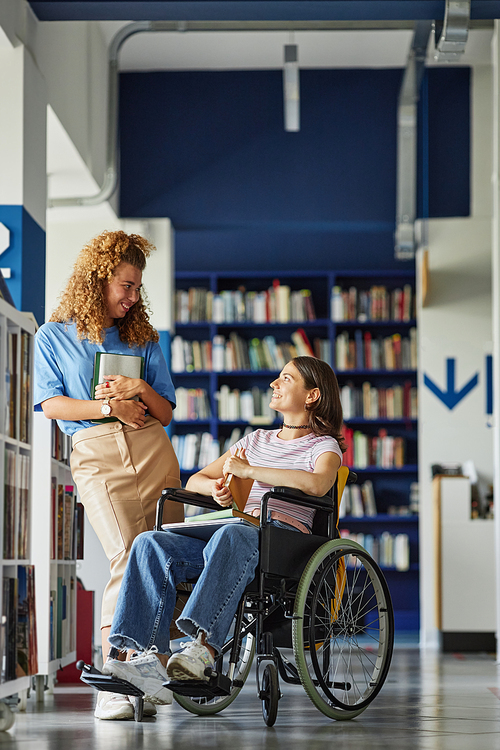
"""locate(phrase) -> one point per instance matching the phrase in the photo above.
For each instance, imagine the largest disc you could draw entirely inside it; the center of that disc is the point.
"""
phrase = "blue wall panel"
(26, 259)
(208, 150)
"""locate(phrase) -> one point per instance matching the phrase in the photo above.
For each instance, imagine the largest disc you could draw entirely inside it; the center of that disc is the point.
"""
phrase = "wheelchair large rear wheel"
(204, 706)
(343, 629)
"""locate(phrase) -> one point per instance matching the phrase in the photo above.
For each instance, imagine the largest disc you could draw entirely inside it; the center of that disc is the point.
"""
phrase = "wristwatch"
(105, 408)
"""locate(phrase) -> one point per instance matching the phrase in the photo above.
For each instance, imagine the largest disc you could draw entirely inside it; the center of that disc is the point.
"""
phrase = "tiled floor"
(431, 701)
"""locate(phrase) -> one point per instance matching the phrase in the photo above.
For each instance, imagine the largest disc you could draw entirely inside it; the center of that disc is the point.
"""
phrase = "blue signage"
(451, 397)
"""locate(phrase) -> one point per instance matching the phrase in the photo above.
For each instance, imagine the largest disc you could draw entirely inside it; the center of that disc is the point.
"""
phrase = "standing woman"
(119, 467)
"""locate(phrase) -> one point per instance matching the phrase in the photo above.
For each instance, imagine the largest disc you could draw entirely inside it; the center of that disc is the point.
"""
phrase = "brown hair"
(82, 302)
(324, 414)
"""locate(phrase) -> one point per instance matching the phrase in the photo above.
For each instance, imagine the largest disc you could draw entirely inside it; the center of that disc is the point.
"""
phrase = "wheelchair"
(320, 595)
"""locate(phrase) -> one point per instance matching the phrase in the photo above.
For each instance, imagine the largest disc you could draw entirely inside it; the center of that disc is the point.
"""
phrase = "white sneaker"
(113, 706)
(149, 709)
(191, 662)
(146, 672)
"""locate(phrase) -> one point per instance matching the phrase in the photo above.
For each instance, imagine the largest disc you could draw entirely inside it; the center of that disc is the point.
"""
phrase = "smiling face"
(290, 395)
(122, 292)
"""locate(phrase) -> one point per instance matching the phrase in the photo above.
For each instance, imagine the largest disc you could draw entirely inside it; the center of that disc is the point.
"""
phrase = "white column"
(495, 48)
(23, 175)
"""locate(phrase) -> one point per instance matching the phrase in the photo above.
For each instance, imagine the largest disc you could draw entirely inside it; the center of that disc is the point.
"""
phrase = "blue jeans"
(159, 560)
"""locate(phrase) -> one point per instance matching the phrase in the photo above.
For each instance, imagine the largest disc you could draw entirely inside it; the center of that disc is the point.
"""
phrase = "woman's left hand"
(237, 465)
(119, 387)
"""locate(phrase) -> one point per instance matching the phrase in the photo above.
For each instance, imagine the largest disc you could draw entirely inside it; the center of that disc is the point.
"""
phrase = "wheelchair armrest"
(297, 497)
(182, 496)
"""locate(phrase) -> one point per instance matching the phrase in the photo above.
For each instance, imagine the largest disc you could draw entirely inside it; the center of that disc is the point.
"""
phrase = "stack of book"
(18, 642)
(248, 406)
(277, 304)
(376, 303)
(369, 402)
(192, 404)
(364, 351)
(388, 550)
(384, 451)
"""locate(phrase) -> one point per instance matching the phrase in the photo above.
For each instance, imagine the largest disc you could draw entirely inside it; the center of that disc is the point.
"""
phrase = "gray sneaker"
(146, 672)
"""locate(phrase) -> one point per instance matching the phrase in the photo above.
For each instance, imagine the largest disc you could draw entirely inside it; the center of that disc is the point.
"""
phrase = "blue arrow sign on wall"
(451, 397)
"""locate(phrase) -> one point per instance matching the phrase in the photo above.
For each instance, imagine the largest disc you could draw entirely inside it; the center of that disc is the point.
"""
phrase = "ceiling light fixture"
(291, 88)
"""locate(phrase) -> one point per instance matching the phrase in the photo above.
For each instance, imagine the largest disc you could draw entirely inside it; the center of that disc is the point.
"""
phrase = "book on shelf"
(365, 351)
(399, 401)
(276, 304)
(26, 642)
(10, 492)
(11, 385)
(107, 365)
(388, 550)
(25, 394)
(60, 444)
(249, 405)
(24, 510)
(378, 303)
(383, 450)
(9, 628)
(192, 404)
(79, 531)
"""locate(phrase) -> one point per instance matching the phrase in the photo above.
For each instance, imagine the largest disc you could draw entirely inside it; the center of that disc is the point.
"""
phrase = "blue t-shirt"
(64, 366)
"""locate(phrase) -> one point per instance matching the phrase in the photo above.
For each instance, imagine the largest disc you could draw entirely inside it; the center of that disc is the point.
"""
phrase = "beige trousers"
(120, 473)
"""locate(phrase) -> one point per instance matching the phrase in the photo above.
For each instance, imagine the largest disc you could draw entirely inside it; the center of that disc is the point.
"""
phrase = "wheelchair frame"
(331, 593)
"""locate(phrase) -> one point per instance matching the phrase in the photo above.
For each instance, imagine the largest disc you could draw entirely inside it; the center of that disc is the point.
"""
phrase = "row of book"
(388, 550)
(192, 403)
(18, 386)
(370, 402)
(233, 353)
(196, 450)
(358, 500)
(363, 351)
(61, 613)
(376, 303)
(383, 450)
(18, 642)
(249, 406)
(60, 444)
(67, 523)
(16, 506)
(277, 304)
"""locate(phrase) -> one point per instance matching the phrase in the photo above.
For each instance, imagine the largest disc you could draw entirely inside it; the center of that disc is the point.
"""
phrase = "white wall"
(456, 322)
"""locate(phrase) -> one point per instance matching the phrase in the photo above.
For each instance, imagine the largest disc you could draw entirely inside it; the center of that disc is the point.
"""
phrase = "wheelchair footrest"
(107, 682)
(218, 684)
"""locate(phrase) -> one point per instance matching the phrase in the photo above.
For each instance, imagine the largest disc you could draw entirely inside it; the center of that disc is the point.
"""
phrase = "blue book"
(360, 360)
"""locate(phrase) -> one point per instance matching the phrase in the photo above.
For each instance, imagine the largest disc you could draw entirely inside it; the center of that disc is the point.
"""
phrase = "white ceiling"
(252, 50)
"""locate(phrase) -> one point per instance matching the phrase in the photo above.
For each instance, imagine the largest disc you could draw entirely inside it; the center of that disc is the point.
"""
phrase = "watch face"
(105, 409)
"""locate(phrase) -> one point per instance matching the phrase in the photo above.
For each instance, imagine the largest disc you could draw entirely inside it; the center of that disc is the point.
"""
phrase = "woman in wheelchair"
(304, 454)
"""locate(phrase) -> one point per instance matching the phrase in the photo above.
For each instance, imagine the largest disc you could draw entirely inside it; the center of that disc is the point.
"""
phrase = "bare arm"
(122, 388)
(210, 481)
(73, 409)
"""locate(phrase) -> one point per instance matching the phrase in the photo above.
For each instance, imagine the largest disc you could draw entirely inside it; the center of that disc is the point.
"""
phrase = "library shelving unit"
(54, 516)
(17, 610)
(392, 485)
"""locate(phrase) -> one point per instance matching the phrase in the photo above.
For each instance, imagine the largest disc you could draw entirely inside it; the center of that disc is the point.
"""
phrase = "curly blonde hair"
(82, 302)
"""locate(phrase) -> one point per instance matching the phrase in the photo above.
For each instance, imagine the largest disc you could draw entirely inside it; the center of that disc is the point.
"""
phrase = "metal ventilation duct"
(406, 197)
(452, 33)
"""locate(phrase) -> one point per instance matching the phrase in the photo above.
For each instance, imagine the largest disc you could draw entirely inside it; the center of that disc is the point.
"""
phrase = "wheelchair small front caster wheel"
(270, 694)
(138, 708)
(6, 717)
